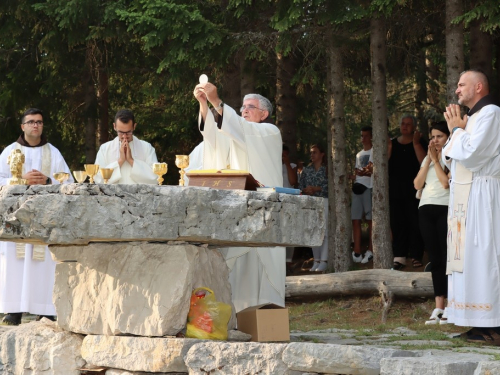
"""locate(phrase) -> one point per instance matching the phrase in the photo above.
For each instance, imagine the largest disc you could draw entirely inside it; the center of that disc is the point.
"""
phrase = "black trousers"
(406, 238)
(434, 228)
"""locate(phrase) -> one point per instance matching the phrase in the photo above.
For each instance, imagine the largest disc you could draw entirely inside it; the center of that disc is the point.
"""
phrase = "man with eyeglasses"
(248, 142)
(27, 271)
(130, 157)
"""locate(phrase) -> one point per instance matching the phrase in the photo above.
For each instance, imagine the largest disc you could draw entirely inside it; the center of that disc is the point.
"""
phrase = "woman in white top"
(432, 214)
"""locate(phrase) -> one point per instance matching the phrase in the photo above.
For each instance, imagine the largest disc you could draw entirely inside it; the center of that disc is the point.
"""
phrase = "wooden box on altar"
(225, 179)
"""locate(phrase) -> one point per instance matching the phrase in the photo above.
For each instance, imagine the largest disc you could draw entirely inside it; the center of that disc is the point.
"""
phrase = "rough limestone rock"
(434, 364)
(137, 353)
(40, 348)
(338, 359)
(81, 213)
(134, 288)
(488, 368)
(123, 372)
(222, 358)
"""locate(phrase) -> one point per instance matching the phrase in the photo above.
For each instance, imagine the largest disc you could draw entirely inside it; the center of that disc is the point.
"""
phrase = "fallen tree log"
(363, 282)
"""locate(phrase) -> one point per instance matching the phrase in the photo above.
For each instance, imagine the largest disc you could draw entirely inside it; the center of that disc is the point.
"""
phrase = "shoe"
(49, 317)
(357, 258)
(12, 319)
(428, 267)
(368, 256)
(398, 266)
(444, 317)
(435, 317)
(315, 266)
(322, 267)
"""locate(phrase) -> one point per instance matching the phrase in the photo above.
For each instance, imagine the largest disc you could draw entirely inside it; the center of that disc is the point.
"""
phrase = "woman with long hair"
(432, 180)
(314, 181)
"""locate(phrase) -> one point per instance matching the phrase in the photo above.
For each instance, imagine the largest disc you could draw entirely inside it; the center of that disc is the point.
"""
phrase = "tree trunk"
(89, 111)
(247, 77)
(454, 49)
(103, 98)
(286, 102)
(231, 94)
(481, 49)
(421, 93)
(382, 246)
(341, 259)
(364, 282)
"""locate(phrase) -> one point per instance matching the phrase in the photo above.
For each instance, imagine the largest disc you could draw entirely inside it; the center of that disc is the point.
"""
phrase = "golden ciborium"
(160, 169)
(80, 176)
(61, 176)
(91, 170)
(106, 174)
(182, 161)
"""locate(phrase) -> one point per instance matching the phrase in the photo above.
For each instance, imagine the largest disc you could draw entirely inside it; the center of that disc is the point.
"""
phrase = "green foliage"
(486, 11)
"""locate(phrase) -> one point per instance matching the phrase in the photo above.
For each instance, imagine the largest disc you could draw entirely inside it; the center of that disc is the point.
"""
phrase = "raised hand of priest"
(128, 155)
(35, 177)
(211, 92)
(123, 152)
(199, 93)
(454, 118)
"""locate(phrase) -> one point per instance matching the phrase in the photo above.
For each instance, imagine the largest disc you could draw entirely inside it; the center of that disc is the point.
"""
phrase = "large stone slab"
(134, 288)
(82, 213)
(220, 358)
(40, 348)
(434, 364)
(338, 359)
(143, 354)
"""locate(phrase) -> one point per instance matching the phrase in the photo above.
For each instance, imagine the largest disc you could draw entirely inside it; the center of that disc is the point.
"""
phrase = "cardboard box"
(267, 322)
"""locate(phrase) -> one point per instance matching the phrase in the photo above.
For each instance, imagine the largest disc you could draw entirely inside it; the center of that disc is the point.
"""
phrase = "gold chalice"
(80, 176)
(160, 169)
(91, 170)
(182, 161)
(106, 174)
(61, 176)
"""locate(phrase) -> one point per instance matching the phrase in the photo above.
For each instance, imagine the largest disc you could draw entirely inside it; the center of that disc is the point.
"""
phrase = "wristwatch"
(219, 106)
(48, 181)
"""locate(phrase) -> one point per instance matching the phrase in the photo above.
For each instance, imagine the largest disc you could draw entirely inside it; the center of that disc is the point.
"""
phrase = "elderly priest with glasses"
(250, 143)
(27, 271)
(130, 158)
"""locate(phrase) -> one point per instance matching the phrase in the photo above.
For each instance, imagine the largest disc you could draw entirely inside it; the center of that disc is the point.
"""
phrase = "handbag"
(358, 188)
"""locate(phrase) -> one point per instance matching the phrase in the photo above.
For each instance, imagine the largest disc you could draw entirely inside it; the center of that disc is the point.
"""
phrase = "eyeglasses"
(249, 107)
(125, 133)
(32, 123)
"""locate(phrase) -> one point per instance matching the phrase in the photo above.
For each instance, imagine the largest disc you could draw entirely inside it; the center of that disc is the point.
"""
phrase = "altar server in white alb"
(247, 142)
(473, 156)
(27, 271)
(130, 158)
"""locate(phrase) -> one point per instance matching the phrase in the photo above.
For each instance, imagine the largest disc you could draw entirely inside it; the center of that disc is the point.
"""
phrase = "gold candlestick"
(61, 176)
(91, 170)
(80, 176)
(106, 174)
(182, 161)
(160, 169)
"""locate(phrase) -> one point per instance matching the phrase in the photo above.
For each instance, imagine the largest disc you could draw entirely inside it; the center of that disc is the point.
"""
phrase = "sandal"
(398, 266)
(465, 335)
(488, 337)
(416, 263)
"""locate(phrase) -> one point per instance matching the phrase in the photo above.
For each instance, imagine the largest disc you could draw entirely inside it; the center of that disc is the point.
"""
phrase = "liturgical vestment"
(257, 275)
(26, 285)
(474, 293)
(140, 173)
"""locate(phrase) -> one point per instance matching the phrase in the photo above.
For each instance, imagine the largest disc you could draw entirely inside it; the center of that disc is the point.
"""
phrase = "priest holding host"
(250, 143)
(473, 157)
(27, 271)
(130, 157)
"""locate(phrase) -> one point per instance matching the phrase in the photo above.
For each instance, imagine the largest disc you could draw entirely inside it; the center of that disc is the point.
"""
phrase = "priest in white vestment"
(473, 156)
(247, 142)
(27, 275)
(130, 157)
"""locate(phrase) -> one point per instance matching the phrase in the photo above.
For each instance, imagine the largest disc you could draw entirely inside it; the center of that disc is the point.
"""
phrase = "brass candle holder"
(182, 161)
(106, 173)
(91, 170)
(160, 169)
(61, 176)
(80, 176)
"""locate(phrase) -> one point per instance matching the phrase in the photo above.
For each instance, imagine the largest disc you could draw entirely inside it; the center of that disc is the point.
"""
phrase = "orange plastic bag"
(207, 318)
